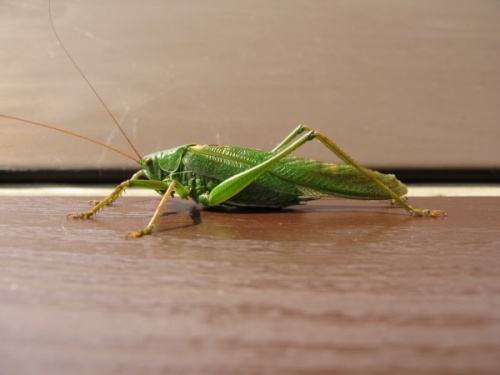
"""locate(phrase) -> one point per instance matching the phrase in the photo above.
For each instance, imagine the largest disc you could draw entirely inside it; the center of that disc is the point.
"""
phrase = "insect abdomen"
(289, 181)
(207, 171)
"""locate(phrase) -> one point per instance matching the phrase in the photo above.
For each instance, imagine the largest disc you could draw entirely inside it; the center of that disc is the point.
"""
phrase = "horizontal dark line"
(445, 175)
(91, 176)
(80, 176)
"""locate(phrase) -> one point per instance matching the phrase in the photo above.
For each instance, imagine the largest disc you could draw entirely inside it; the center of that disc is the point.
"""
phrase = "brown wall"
(397, 84)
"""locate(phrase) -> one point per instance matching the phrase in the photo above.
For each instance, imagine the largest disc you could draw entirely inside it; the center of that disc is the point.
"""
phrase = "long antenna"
(91, 87)
(70, 133)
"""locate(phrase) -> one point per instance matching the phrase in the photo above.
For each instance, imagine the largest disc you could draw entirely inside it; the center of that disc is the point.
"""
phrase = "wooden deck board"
(335, 285)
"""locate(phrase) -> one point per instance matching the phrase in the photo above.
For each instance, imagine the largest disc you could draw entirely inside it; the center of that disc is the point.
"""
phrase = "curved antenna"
(90, 85)
(70, 133)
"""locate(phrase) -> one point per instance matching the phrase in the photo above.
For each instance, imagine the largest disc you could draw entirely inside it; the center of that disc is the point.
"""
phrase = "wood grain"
(332, 287)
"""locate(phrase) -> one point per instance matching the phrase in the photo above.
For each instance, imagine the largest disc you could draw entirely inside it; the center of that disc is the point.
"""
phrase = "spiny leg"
(332, 146)
(233, 185)
(156, 215)
(108, 200)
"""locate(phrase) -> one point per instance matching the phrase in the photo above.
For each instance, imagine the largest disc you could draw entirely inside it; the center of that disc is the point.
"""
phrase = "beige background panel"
(397, 84)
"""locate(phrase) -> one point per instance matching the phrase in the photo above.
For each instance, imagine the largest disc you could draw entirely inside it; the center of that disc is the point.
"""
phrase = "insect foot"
(83, 215)
(139, 233)
(426, 212)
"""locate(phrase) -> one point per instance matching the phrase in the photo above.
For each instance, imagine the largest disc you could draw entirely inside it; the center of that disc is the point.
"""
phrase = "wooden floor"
(331, 287)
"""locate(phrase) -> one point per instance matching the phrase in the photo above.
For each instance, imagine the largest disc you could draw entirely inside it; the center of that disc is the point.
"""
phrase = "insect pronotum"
(234, 176)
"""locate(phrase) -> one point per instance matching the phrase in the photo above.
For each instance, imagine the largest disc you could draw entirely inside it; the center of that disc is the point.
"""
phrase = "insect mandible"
(234, 176)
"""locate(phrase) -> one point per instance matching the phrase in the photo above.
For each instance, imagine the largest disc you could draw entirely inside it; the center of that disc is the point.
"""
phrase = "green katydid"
(235, 176)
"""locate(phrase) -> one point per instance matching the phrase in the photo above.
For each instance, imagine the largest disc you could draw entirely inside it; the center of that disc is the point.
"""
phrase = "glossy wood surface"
(335, 286)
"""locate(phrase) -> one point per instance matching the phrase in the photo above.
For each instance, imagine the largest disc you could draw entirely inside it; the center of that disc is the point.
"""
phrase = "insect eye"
(148, 161)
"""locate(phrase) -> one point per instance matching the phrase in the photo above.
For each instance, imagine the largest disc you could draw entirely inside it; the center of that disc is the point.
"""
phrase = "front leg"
(156, 215)
(108, 200)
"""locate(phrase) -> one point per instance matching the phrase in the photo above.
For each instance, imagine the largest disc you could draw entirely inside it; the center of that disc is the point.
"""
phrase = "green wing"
(291, 175)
